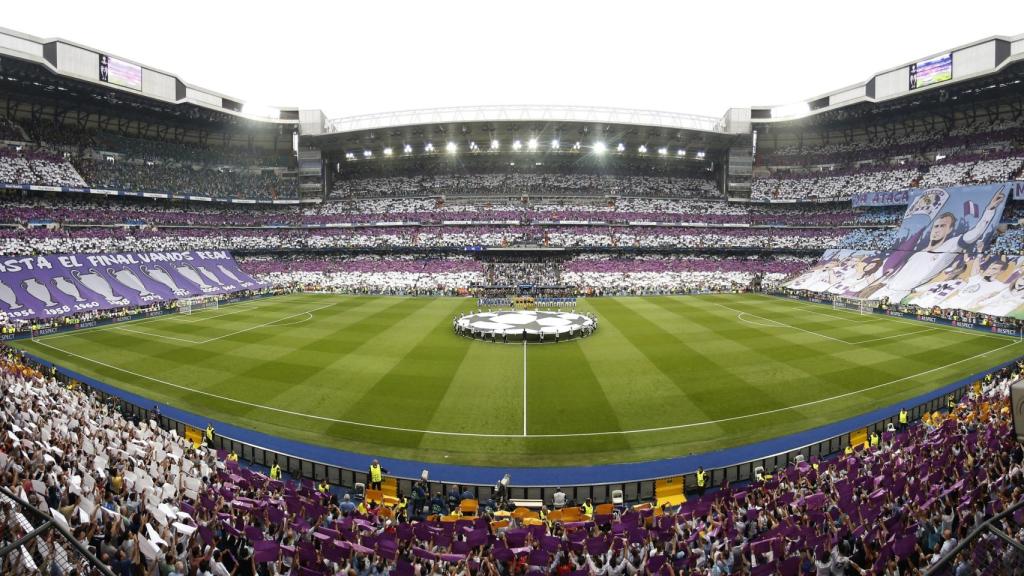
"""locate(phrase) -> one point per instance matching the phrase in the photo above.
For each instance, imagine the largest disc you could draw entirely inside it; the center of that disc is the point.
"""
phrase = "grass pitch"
(661, 377)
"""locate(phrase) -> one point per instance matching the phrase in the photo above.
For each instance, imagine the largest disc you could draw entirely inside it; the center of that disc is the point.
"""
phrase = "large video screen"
(121, 73)
(933, 71)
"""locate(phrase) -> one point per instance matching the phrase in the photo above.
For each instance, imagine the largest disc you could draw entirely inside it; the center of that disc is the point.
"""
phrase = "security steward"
(376, 475)
(702, 481)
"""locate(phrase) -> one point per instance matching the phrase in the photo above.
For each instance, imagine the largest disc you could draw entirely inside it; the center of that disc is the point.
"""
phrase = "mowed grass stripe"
(328, 364)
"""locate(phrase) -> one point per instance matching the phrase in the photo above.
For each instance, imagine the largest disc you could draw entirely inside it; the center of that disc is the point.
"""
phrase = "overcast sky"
(351, 58)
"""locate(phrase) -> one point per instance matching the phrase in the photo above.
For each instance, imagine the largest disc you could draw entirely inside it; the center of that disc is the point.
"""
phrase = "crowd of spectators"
(970, 154)
(514, 185)
(21, 207)
(43, 240)
(185, 179)
(37, 167)
(584, 274)
(147, 501)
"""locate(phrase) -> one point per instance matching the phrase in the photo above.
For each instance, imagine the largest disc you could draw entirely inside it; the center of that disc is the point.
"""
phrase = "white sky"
(354, 57)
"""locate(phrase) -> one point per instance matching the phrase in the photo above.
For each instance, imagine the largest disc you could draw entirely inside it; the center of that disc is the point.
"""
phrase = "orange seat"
(374, 496)
(469, 507)
(604, 509)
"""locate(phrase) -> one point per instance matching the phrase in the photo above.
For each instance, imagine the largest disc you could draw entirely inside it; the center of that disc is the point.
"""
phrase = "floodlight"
(621, 147)
(700, 154)
(680, 152)
(495, 144)
(367, 153)
(662, 151)
(350, 156)
(407, 149)
(452, 147)
(642, 149)
(472, 145)
(554, 144)
(388, 151)
(599, 147)
(576, 146)
(531, 144)
(429, 147)
(517, 145)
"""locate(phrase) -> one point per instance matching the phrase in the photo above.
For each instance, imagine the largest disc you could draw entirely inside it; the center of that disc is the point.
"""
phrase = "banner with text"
(63, 284)
(894, 198)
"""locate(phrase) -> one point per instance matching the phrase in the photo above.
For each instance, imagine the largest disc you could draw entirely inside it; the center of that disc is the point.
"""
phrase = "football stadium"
(510, 340)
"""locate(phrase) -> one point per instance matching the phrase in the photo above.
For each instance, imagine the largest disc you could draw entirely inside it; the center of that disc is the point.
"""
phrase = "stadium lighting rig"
(681, 153)
(662, 151)
(367, 153)
(642, 149)
(429, 147)
(531, 144)
(517, 145)
(388, 151)
(555, 145)
(599, 147)
(495, 144)
(407, 149)
(621, 147)
(452, 147)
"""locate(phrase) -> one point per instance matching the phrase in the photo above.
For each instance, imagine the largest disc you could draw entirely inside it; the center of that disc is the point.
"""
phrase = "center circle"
(524, 325)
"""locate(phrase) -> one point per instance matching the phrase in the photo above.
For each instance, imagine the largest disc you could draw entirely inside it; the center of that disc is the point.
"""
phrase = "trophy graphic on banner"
(228, 273)
(209, 275)
(38, 291)
(7, 296)
(190, 274)
(98, 284)
(68, 287)
(160, 275)
(130, 280)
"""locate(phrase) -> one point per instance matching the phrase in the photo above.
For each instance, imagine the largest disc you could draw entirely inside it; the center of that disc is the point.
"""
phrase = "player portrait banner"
(62, 284)
(955, 219)
(897, 198)
(939, 260)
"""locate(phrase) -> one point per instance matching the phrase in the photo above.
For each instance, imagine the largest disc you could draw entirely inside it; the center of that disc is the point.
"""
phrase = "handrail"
(49, 524)
(986, 526)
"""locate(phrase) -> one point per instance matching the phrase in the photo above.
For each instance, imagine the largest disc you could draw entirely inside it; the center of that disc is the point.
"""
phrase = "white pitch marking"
(953, 329)
(782, 324)
(264, 324)
(478, 435)
(524, 387)
(123, 329)
(932, 329)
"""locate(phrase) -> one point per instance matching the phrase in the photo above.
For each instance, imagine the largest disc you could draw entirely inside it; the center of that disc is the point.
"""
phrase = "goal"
(864, 307)
(187, 306)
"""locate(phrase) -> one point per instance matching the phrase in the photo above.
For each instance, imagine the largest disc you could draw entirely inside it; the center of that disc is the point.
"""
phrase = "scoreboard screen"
(932, 71)
(121, 73)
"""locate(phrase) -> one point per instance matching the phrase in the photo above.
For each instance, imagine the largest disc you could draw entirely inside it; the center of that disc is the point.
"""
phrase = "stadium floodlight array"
(187, 306)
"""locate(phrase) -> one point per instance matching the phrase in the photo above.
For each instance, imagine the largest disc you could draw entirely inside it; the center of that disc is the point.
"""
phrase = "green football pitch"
(661, 377)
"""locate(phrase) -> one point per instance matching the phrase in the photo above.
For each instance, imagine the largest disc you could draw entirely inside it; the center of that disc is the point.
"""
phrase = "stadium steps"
(669, 491)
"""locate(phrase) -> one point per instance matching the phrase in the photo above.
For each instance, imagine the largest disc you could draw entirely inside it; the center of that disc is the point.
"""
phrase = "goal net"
(187, 306)
(856, 304)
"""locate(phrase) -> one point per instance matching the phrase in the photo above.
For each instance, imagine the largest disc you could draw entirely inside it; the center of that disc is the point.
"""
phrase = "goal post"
(187, 306)
(859, 305)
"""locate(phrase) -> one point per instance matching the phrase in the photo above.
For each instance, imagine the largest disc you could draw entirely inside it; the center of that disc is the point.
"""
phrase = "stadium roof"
(528, 112)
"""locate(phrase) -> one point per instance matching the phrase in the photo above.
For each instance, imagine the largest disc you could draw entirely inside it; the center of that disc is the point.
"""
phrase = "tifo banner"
(897, 198)
(939, 259)
(957, 219)
(1018, 190)
(62, 284)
